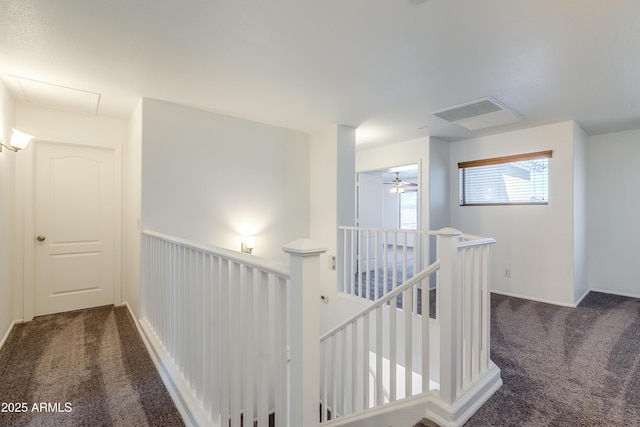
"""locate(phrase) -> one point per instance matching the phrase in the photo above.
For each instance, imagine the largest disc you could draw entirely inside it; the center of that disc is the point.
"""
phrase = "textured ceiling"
(378, 65)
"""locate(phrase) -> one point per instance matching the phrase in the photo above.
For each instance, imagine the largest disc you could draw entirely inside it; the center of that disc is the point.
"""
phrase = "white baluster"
(280, 330)
(379, 373)
(216, 340)
(393, 348)
(354, 366)
(326, 378)
(225, 362)
(235, 309)
(477, 314)
(425, 320)
(376, 254)
(385, 264)
(263, 360)
(365, 361)
(247, 356)
(407, 303)
(466, 260)
(199, 326)
(486, 307)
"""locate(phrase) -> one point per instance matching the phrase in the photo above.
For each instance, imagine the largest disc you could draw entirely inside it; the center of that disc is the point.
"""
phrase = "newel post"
(305, 331)
(449, 313)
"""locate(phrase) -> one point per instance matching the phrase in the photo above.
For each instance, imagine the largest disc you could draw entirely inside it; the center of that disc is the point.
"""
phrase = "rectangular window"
(522, 179)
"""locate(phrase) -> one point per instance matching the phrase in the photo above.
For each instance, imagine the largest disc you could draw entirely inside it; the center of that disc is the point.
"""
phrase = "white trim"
(576, 304)
(473, 398)
(29, 256)
(582, 297)
(117, 225)
(6, 335)
(610, 292)
(274, 267)
(408, 411)
(400, 413)
(530, 298)
(190, 409)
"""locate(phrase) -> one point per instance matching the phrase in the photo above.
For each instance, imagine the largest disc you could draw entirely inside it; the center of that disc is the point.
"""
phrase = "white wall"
(62, 127)
(71, 128)
(131, 197)
(535, 242)
(332, 191)
(439, 184)
(211, 178)
(439, 192)
(613, 212)
(580, 234)
(7, 181)
(403, 153)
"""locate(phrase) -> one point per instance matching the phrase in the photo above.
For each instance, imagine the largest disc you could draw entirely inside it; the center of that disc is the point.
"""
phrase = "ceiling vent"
(479, 114)
(54, 96)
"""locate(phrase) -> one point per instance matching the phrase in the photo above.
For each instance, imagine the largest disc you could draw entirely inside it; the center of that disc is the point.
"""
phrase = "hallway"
(87, 367)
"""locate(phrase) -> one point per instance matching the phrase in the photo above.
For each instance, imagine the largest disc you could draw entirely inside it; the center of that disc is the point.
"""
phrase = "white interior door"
(74, 227)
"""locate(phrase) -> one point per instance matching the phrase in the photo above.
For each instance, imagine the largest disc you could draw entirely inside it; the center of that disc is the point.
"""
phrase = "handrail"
(263, 264)
(406, 285)
(477, 242)
(194, 300)
(463, 236)
(467, 236)
(388, 230)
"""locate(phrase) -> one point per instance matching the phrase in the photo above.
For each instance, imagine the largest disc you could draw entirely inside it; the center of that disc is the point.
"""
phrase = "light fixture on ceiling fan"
(398, 185)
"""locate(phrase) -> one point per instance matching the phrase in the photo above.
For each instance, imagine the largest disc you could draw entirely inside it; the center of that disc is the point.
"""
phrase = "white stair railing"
(219, 318)
(385, 328)
(397, 333)
(373, 261)
(465, 311)
(220, 322)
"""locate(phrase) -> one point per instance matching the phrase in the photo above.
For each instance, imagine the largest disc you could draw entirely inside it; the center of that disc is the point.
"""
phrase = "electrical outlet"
(332, 262)
(507, 272)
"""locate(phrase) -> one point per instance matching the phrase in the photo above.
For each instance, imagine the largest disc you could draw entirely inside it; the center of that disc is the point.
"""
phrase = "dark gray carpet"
(89, 368)
(563, 366)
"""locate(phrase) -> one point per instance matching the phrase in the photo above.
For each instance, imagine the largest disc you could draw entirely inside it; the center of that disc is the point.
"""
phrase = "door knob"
(40, 238)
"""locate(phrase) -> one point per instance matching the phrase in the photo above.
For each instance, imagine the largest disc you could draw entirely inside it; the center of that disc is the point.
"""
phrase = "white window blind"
(519, 179)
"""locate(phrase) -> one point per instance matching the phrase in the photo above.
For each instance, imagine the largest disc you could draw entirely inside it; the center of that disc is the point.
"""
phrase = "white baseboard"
(190, 409)
(577, 303)
(622, 294)
(582, 297)
(530, 298)
(6, 335)
(404, 412)
(408, 411)
(471, 400)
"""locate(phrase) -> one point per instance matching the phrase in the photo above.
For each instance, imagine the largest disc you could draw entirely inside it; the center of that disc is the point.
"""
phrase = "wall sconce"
(247, 244)
(19, 140)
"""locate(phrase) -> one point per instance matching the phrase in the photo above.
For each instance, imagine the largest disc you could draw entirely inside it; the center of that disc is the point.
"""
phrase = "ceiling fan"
(398, 185)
